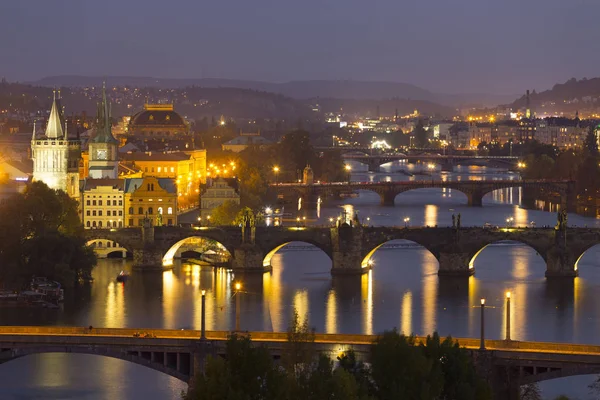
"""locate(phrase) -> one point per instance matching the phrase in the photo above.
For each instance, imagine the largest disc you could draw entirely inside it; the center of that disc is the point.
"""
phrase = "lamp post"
(203, 317)
(276, 172)
(208, 220)
(238, 286)
(482, 344)
(348, 169)
(406, 221)
(507, 315)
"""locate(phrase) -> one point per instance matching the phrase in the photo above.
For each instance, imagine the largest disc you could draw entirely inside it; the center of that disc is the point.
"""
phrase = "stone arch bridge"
(351, 247)
(387, 191)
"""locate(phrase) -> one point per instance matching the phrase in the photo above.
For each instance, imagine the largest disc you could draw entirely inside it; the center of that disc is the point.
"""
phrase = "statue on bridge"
(458, 221)
(147, 222)
(561, 224)
(159, 220)
(453, 221)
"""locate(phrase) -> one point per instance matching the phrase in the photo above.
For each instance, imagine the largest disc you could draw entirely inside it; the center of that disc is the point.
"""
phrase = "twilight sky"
(453, 46)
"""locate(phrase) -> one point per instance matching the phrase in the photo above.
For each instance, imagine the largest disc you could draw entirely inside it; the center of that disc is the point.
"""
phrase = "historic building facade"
(56, 156)
(102, 203)
(216, 192)
(152, 198)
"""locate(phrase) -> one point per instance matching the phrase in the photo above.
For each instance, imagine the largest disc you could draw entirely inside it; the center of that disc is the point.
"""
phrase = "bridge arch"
(198, 242)
(587, 250)
(474, 254)
(106, 248)
(368, 262)
(268, 256)
(145, 359)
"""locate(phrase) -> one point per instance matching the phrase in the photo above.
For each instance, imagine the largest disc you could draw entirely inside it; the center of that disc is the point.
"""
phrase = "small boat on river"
(122, 277)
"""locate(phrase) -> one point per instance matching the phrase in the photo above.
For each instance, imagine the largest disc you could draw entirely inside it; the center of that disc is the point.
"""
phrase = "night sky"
(453, 46)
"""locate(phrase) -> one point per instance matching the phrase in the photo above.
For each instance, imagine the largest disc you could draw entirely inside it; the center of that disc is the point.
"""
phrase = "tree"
(530, 392)
(298, 352)
(420, 135)
(225, 214)
(591, 142)
(41, 234)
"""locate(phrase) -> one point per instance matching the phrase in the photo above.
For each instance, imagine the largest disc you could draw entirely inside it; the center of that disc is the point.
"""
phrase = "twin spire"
(103, 121)
(54, 129)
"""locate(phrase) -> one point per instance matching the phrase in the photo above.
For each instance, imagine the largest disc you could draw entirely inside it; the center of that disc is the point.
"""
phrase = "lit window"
(159, 169)
(170, 210)
(172, 169)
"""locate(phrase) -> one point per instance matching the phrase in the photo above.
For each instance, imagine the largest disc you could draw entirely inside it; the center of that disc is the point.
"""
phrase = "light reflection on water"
(402, 291)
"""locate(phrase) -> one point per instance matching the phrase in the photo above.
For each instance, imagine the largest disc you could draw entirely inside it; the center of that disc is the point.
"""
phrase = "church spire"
(33, 134)
(54, 128)
(103, 121)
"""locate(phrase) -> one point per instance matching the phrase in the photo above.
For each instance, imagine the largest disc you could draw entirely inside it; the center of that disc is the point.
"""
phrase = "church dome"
(157, 116)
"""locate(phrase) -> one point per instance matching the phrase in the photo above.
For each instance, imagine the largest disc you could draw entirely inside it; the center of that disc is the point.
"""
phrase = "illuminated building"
(150, 196)
(55, 156)
(157, 120)
(216, 192)
(244, 141)
(102, 203)
(102, 147)
(479, 133)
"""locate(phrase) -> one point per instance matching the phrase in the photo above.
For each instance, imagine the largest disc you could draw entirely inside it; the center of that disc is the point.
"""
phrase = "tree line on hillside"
(41, 235)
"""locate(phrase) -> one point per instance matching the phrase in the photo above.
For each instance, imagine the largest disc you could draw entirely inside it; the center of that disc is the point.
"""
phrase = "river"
(402, 291)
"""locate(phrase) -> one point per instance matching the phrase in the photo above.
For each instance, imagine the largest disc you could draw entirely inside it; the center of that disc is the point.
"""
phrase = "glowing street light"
(406, 221)
(238, 287)
(348, 169)
(482, 344)
(276, 172)
(507, 315)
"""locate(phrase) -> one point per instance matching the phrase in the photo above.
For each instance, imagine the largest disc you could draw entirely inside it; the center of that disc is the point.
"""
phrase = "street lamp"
(507, 315)
(238, 286)
(276, 172)
(208, 220)
(348, 169)
(406, 221)
(482, 344)
(203, 317)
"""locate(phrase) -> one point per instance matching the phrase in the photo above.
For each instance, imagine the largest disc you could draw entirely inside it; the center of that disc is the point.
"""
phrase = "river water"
(402, 291)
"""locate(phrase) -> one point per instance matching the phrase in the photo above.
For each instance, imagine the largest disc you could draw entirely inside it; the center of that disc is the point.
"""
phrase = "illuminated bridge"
(181, 354)
(387, 191)
(351, 246)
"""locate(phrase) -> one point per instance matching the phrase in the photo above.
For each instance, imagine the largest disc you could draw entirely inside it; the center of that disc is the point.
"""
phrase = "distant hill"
(338, 89)
(572, 91)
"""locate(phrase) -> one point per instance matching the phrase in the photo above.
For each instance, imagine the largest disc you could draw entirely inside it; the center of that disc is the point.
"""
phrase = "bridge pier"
(387, 198)
(475, 199)
(148, 258)
(249, 258)
(455, 264)
(447, 166)
(347, 254)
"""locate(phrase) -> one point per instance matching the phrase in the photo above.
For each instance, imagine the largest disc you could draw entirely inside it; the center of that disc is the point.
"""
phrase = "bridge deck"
(24, 334)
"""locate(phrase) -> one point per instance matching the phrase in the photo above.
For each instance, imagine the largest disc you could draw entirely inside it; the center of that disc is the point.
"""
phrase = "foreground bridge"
(351, 246)
(446, 162)
(180, 353)
(387, 191)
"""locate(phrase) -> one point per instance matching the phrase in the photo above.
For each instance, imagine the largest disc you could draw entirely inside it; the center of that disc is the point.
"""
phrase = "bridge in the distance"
(446, 162)
(181, 353)
(387, 191)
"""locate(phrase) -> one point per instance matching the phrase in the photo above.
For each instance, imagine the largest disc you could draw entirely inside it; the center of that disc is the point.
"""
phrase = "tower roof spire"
(54, 128)
(103, 121)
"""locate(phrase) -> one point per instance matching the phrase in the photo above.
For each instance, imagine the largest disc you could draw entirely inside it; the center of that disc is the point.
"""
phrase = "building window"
(87, 224)
(159, 169)
(120, 224)
(87, 213)
(99, 213)
(145, 169)
(170, 211)
(94, 224)
(130, 210)
(160, 210)
(141, 210)
(87, 203)
(94, 213)
(120, 202)
(140, 222)
(120, 213)
(94, 202)
(130, 221)
(114, 202)
(169, 222)
(172, 169)
(150, 210)
(100, 224)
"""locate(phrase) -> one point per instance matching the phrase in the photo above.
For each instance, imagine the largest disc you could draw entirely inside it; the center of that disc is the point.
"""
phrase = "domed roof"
(157, 115)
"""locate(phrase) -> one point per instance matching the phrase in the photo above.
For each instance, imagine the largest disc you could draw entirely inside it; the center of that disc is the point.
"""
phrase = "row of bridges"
(387, 191)
(351, 245)
(506, 365)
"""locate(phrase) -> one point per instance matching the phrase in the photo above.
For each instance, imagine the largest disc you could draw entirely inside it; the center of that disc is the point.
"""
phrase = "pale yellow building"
(151, 197)
(102, 203)
(216, 192)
